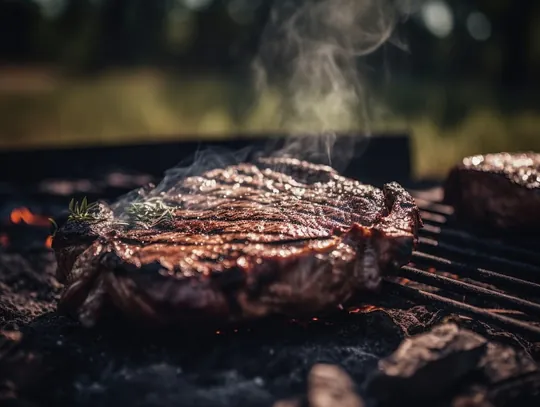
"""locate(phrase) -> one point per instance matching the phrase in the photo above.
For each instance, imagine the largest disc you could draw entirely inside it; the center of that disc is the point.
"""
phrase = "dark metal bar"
(513, 267)
(476, 273)
(382, 158)
(440, 214)
(432, 217)
(490, 245)
(434, 207)
(521, 316)
(458, 286)
(510, 324)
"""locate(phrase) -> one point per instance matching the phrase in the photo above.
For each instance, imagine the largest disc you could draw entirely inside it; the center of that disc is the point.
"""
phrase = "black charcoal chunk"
(427, 365)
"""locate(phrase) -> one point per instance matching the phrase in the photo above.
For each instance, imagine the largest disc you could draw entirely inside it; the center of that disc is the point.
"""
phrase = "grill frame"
(510, 279)
(378, 158)
(75, 353)
(386, 157)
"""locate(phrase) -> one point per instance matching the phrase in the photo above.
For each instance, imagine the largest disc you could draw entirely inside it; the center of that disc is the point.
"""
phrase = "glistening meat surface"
(280, 236)
(500, 191)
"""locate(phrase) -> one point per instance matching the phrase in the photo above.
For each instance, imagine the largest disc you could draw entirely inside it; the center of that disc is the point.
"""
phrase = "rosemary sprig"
(149, 213)
(82, 211)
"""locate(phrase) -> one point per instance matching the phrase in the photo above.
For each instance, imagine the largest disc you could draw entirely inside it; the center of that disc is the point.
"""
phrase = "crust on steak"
(499, 191)
(212, 265)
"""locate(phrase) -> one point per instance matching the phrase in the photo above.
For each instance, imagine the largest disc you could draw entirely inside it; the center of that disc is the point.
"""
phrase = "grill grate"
(490, 279)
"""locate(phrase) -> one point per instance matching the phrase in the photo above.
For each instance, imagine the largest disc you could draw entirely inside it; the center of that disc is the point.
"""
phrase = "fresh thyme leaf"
(149, 213)
(83, 211)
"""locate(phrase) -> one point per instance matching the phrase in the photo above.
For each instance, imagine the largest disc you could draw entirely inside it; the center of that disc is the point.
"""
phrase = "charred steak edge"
(278, 237)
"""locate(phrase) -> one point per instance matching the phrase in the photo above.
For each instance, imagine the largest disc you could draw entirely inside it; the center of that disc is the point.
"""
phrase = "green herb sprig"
(149, 213)
(82, 212)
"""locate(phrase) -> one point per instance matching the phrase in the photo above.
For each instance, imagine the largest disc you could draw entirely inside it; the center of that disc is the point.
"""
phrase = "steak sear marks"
(280, 236)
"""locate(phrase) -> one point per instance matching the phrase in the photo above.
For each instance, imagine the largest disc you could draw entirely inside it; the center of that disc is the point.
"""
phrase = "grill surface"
(493, 279)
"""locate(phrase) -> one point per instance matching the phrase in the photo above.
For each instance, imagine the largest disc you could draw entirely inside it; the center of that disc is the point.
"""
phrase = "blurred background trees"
(497, 41)
(450, 62)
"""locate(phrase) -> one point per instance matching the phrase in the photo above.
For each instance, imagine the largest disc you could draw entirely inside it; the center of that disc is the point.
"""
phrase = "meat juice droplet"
(242, 262)
(476, 160)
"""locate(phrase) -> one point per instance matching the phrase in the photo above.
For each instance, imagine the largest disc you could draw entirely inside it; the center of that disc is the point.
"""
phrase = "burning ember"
(364, 309)
(403, 280)
(359, 340)
(23, 215)
(48, 242)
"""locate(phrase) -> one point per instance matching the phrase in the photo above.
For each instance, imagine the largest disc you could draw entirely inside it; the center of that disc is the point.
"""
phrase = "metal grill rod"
(439, 213)
(436, 280)
(489, 245)
(506, 265)
(517, 268)
(434, 207)
(513, 325)
(436, 218)
(476, 273)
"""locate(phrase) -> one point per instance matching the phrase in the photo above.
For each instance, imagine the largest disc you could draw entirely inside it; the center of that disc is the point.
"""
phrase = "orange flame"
(4, 240)
(403, 280)
(364, 309)
(23, 215)
(433, 270)
(48, 242)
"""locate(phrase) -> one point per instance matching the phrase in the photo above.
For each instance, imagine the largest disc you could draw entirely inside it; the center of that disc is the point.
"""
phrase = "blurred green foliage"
(95, 71)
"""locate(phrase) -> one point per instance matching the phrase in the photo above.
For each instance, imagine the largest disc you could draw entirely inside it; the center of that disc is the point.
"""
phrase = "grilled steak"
(280, 236)
(500, 191)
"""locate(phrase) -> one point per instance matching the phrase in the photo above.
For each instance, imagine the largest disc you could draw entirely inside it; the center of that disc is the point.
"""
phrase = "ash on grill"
(460, 325)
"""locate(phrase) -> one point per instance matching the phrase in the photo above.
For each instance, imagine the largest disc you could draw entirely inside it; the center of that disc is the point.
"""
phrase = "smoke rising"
(310, 50)
(170, 186)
